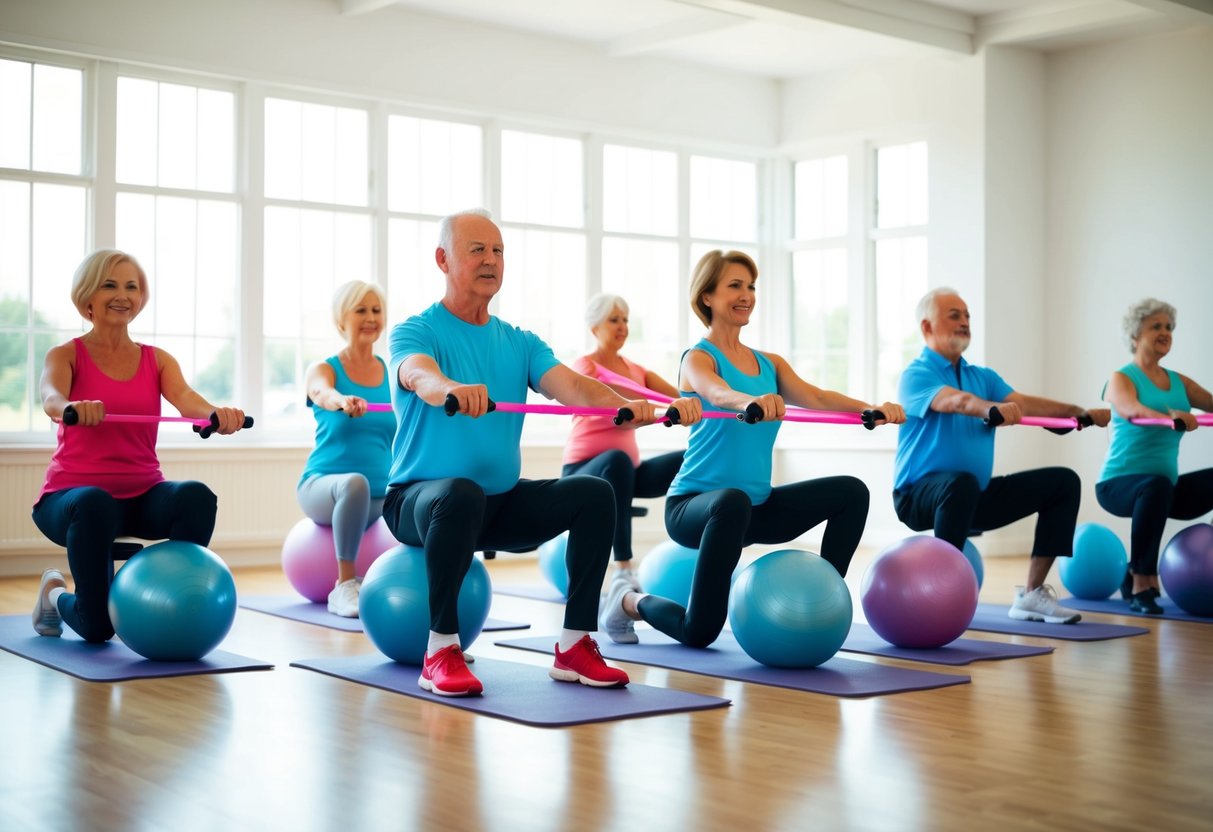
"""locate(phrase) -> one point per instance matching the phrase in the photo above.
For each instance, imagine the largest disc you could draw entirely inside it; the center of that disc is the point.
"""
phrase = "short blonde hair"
(707, 274)
(600, 307)
(95, 270)
(349, 295)
(1137, 314)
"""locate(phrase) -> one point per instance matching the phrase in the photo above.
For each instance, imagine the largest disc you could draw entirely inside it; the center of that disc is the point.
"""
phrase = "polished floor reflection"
(1098, 735)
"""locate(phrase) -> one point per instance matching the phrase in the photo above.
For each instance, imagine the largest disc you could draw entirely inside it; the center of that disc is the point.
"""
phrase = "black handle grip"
(70, 416)
(624, 414)
(451, 405)
(871, 417)
(1085, 421)
(1180, 426)
(752, 414)
(995, 417)
(205, 432)
(672, 417)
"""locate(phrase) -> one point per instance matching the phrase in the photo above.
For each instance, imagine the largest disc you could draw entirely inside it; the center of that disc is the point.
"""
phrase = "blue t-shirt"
(345, 445)
(728, 453)
(430, 445)
(1146, 449)
(929, 441)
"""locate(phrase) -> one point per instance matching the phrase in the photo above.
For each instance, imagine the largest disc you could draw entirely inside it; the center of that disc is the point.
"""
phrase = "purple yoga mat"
(863, 639)
(297, 609)
(536, 592)
(112, 661)
(725, 659)
(992, 618)
(520, 692)
(1118, 606)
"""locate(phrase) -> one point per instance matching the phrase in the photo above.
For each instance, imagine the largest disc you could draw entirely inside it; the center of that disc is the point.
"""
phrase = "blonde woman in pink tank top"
(104, 480)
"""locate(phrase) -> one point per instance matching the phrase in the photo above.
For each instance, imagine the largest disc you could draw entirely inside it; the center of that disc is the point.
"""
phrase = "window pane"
(178, 136)
(283, 148)
(640, 190)
(58, 134)
(821, 198)
(59, 235)
(138, 126)
(901, 185)
(645, 274)
(414, 280)
(821, 317)
(901, 279)
(15, 366)
(724, 199)
(545, 277)
(15, 243)
(434, 167)
(218, 269)
(316, 152)
(16, 111)
(541, 179)
(216, 140)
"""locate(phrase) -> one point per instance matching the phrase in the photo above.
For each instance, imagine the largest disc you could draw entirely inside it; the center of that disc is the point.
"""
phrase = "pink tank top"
(592, 435)
(119, 457)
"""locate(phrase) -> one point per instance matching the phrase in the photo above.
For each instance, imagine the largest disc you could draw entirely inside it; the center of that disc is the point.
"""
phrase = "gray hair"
(1137, 314)
(349, 295)
(600, 307)
(446, 227)
(928, 305)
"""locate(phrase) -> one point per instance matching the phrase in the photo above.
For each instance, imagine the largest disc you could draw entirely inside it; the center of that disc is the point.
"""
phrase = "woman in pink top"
(104, 479)
(597, 447)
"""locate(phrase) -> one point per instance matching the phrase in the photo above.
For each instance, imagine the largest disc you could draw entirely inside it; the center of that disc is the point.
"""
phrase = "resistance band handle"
(205, 432)
(672, 417)
(70, 416)
(625, 414)
(871, 417)
(451, 405)
(752, 413)
(1180, 426)
(994, 418)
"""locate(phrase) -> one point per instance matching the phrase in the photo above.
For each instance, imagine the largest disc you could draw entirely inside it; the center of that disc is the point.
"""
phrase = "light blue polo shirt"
(345, 445)
(430, 445)
(929, 441)
(728, 453)
(1146, 449)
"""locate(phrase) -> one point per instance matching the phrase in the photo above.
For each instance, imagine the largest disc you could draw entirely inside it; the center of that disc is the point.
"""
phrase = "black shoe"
(1144, 602)
(1126, 586)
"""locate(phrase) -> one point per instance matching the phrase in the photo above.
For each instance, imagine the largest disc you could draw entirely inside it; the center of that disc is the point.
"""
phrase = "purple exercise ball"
(920, 592)
(1186, 569)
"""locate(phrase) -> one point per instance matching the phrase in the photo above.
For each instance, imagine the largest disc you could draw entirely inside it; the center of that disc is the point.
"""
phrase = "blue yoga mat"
(520, 692)
(863, 639)
(993, 618)
(536, 592)
(297, 609)
(725, 659)
(112, 661)
(1118, 606)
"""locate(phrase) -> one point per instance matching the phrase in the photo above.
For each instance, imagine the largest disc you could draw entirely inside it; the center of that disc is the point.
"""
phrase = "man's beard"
(959, 343)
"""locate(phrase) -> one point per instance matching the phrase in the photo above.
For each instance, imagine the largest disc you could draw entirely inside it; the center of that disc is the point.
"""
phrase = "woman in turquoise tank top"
(722, 499)
(1140, 477)
(345, 480)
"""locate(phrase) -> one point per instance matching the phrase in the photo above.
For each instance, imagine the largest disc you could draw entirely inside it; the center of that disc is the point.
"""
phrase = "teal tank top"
(1141, 449)
(727, 453)
(362, 445)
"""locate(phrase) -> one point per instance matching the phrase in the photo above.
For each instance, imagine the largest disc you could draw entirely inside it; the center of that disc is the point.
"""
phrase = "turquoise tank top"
(362, 445)
(1141, 449)
(727, 453)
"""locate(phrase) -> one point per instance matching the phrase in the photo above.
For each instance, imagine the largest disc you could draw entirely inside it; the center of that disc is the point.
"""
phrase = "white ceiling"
(793, 38)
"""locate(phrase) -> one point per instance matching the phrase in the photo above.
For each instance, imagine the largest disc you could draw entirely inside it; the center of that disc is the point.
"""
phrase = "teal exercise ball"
(668, 570)
(1097, 566)
(552, 564)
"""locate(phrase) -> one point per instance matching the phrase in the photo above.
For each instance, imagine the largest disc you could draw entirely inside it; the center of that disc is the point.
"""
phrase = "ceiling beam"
(1056, 21)
(705, 21)
(1194, 11)
(903, 19)
(354, 7)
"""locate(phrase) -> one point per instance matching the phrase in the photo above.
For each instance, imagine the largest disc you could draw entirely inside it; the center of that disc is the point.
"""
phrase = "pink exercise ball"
(309, 557)
(920, 592)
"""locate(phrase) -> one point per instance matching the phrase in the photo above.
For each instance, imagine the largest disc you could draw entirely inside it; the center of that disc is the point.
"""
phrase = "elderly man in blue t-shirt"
(454, 484)
(945, 455)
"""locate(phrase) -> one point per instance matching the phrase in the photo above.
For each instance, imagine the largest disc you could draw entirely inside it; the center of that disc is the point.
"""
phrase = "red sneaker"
(583, 663)
(446, 674)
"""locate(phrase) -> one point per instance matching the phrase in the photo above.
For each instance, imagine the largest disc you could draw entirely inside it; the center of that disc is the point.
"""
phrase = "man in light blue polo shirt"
(945, 455)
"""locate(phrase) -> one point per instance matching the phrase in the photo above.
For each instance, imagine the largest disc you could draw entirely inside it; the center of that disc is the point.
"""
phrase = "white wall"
(1130, 208)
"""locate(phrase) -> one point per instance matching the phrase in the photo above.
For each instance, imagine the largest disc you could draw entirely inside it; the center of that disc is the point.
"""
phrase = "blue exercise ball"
(552, 563)
(668, 570)
(173, 601)
(394, 604)
(1186, 569)
(920, 592)
(973, 556)
(1097, 566)
(790, 608)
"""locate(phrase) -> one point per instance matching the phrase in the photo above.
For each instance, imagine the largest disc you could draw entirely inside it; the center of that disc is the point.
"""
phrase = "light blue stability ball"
(1098, 564)
(668, 570)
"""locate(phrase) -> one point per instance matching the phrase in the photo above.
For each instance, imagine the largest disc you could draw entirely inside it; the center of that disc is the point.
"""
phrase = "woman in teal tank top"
(345, 480)
(722, 499)
(1140, 477)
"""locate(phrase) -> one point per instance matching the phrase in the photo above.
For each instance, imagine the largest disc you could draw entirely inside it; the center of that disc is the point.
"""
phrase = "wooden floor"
(1104, 735)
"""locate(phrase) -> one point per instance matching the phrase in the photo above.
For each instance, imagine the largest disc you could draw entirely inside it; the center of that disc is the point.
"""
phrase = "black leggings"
(86, 520)
(651, 478)
(1150, 500)
(720, 523)
(453, 518)
(951, 503)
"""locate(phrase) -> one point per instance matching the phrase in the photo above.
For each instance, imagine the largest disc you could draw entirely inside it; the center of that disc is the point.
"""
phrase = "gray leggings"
(344, 502)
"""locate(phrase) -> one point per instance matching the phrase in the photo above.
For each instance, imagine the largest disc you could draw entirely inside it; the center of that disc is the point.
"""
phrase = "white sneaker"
(629, 575)
(1041, 605)
(613, 621)
(47, 621)
(343, 600)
